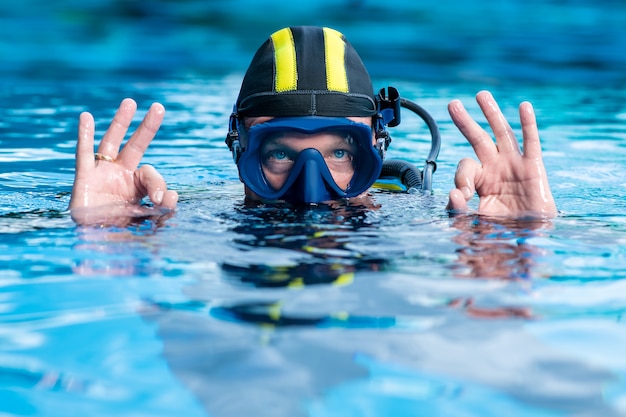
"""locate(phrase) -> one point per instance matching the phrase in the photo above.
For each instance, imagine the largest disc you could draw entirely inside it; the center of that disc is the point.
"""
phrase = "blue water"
(226, 310)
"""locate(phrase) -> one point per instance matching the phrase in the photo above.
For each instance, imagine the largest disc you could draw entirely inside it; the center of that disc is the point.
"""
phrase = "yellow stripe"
(342, 315)
(335, 50)
(273, 312)
(285, 61)
(296, 283)
(344, 279)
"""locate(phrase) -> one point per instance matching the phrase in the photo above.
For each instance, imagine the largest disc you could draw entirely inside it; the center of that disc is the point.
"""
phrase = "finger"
(136, 146)
(456, 201)
(84, 147)
(170, 198)
(505, 138)
(467, 174)
(152, 183)
(483, 145)
(530, 132)
(113, 137)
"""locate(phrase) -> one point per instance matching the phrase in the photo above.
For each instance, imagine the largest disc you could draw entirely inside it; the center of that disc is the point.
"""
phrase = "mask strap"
(382, 138)
(233, 141)
(388, 114)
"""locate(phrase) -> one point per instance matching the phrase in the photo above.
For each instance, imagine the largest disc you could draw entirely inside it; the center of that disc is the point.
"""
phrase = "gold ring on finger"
(100, 157)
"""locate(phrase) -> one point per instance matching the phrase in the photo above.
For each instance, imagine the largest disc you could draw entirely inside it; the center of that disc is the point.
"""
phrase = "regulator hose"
(431, 165)
(407, 173)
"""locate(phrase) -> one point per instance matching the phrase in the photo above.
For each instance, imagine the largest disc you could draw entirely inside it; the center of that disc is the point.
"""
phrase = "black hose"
(431, 164)
(408, 174)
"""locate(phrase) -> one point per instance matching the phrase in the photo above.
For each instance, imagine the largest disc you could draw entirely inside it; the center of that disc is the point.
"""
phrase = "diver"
(307, 128)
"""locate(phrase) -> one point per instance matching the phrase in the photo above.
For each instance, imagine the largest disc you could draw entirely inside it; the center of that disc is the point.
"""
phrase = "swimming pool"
(227, 310)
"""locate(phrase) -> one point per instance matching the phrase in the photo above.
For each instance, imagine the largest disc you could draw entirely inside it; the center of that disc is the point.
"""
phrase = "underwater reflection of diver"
(271, 314)
(318, 233)
(322, 235)
(291, 276)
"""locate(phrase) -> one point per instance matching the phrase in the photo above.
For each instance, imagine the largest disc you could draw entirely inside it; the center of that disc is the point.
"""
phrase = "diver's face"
(279, 152)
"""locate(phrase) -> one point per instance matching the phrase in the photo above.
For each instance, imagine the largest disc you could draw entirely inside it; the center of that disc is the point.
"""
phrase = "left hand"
(508, 182)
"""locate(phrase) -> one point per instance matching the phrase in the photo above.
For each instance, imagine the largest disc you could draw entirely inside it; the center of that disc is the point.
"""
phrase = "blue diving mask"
(280, 162)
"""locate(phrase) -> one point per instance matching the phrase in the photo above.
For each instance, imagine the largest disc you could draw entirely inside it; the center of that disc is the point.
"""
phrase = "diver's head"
(305, 125)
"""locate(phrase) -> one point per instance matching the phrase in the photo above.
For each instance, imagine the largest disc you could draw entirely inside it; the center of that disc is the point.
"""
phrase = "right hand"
(116, 181)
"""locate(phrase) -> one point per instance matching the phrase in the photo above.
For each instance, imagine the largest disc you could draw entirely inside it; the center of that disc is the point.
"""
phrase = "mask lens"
(283, 155)
(278, 154)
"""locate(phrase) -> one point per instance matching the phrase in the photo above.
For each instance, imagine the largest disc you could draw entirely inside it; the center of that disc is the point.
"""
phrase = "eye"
(277, 154)
(340, 153)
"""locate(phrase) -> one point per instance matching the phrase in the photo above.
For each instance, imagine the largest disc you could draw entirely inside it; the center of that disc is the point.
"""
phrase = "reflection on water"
(289, 310)
(500, 249)
(308, 320)
(320, 235)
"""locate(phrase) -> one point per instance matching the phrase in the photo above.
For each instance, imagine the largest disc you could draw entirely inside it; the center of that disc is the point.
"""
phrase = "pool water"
(398, 309)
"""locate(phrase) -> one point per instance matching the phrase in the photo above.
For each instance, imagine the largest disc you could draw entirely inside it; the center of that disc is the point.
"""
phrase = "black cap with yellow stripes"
(306, 71)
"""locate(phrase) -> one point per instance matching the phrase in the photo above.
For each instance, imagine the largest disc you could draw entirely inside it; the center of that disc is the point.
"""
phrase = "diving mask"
(281, 162)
